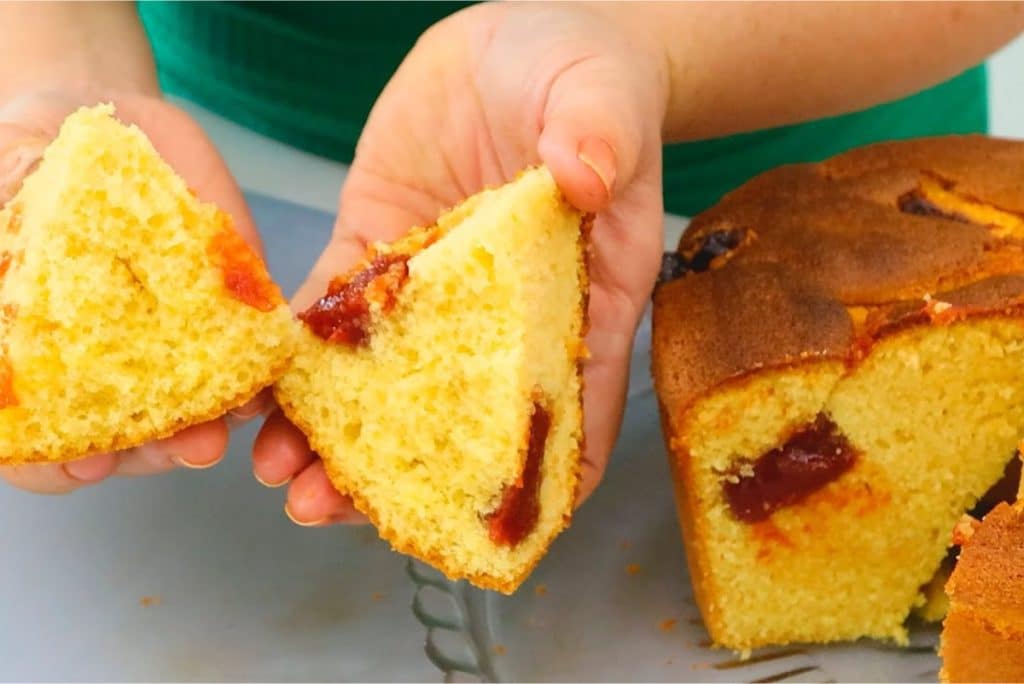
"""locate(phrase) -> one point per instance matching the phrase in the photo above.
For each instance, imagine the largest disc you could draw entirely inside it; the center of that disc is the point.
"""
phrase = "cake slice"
(840, 370)
(439, 381)
(983, 634)
(128, 308)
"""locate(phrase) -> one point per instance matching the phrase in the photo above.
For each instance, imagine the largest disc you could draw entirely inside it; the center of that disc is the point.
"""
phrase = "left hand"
(27, 125)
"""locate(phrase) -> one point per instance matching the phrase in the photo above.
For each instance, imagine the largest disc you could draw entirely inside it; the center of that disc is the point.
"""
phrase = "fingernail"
(256, 406)
(195, 466)
(236, 421)
(300, 523)
(272, 485)
(599, 157)
(89, 469)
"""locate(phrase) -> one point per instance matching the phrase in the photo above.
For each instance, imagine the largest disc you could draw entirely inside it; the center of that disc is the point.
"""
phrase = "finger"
(60, 478)
(603, 404)
(144, 460)
(586, 112)
(198, 447)
(605, 380)
(280, 452)
(313, 500)
(260, 405)
(591, 134)
(20, 152)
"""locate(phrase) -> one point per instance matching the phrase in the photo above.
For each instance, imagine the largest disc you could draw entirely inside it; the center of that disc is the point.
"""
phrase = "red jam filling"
(244, 275)
(5, 263)
(809, 460)
(7, 396)
(517, 515)
(14, 222)
(342, 315)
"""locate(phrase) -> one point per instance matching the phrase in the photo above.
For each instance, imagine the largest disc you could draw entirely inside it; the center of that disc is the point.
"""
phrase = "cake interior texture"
(840, 380)
(464, 394)
(853, 556)
(130, 309)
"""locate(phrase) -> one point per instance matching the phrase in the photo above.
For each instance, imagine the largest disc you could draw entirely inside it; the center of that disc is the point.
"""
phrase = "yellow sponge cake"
(840, 370)
(439, 381)
(128, 308)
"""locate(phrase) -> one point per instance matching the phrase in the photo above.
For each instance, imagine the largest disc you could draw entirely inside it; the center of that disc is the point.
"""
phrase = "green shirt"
(308, 73)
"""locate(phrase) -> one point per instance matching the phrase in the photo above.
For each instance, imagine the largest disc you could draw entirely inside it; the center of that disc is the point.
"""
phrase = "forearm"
(733, 67)
(87, 45)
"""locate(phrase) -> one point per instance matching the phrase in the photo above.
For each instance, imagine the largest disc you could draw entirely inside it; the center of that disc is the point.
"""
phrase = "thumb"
(573, 93)
(591, 132)
(20, 152)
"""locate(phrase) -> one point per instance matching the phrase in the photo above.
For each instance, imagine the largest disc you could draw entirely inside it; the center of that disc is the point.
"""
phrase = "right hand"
(27, 125)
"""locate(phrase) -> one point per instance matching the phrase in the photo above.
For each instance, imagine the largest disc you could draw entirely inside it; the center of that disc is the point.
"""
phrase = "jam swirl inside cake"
(343, 314)
(7, 396)
(810, 459)
(519, 510)
(244, 275)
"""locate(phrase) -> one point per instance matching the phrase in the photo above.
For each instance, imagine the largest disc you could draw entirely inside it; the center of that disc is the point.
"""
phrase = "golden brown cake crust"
(822, 247)
(983, 636)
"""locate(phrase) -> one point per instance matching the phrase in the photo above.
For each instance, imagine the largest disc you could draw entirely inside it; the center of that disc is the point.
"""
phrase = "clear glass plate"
(612, 600)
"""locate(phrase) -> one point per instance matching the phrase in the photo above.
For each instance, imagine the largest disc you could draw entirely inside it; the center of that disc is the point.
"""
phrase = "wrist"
(73, 48)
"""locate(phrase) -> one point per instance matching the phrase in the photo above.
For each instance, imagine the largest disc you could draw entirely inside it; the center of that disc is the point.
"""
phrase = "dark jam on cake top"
(517, 515)
(810, 459)
(914, 202)
(716, 243)
(343, 314)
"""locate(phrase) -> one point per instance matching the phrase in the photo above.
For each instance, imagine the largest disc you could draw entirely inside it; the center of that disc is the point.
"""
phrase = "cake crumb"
(378, 596)
(147, 601)
(499, 650)
(625, 544)
(632, 568)
(668, 625)
(540, 589)
(964, 529)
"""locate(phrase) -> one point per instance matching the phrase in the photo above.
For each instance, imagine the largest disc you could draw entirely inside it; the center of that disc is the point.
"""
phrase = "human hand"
(27, 124)
(483, 94)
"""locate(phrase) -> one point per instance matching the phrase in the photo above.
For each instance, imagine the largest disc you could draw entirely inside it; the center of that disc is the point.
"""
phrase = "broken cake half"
(439, 380)
(129, 309)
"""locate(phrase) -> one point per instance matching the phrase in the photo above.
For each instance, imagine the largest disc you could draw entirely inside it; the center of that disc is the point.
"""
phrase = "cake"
(439, 381)
(838, 353)
(983, 634)
(129, 309)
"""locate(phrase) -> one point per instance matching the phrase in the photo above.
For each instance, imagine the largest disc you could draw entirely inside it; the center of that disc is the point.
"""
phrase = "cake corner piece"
(131, 309)
(439, 380)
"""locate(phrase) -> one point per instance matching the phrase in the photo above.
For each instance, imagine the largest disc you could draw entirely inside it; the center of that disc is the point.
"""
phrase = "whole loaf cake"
(838, 353)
